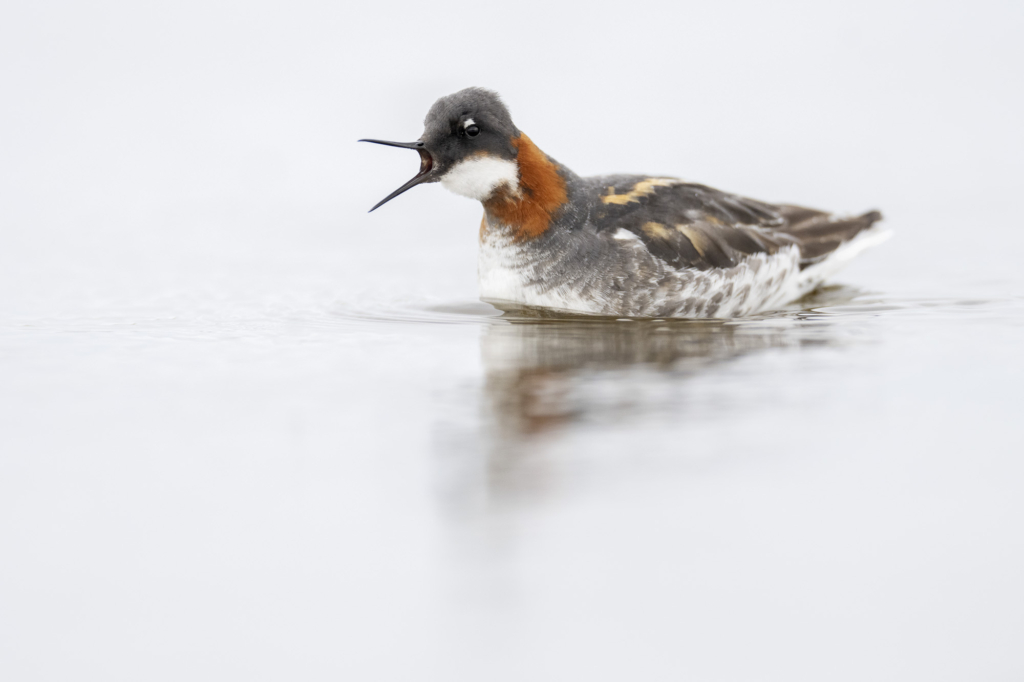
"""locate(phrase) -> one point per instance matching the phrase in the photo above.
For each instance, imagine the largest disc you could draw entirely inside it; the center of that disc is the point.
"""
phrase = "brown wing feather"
(819, 233)
(691, 225)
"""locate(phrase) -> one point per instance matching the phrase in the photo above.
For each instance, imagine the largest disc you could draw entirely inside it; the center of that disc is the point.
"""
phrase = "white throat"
(479, 176)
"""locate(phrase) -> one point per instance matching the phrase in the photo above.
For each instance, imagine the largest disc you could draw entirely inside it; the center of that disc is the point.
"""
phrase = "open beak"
(426, 164)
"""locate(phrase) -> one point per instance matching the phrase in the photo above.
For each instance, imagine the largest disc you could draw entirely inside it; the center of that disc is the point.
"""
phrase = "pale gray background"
(235, 444)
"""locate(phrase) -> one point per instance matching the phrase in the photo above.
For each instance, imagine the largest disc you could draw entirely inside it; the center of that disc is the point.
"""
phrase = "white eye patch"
(477, 177)
(468, 122)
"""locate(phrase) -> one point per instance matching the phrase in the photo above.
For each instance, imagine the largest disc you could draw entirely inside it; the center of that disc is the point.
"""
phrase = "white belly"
(761, 282)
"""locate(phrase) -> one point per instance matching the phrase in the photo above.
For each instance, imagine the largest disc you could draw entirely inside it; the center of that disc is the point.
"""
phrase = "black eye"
(473, 130)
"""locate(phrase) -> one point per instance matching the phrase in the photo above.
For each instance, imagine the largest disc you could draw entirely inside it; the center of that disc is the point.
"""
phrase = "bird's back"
(688, 225)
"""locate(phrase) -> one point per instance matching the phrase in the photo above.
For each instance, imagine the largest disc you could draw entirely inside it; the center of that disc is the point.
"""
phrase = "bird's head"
(468, 145)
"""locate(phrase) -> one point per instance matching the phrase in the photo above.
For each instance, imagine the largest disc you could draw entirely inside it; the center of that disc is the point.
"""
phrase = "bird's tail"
(820, 235)
(829, 250)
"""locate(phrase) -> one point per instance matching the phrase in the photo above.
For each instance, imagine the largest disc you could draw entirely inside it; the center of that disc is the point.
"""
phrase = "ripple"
(307, 314)
(418, 312)
(410, 311)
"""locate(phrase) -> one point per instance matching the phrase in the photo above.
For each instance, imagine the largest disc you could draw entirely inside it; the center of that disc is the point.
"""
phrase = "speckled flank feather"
(507, 275)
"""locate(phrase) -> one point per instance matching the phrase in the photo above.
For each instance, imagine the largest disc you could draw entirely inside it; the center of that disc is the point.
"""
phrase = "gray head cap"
(483, 106)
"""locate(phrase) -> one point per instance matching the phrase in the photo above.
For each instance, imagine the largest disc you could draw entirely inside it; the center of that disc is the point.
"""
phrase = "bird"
(624, 246)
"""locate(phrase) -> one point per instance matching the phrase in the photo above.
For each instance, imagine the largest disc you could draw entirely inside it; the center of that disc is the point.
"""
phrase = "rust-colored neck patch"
(541, 192)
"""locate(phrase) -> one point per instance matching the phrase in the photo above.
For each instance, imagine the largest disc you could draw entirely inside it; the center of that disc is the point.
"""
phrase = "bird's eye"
(472, 130)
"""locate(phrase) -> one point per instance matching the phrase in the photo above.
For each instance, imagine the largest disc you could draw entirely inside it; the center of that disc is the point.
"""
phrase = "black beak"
(426, 164)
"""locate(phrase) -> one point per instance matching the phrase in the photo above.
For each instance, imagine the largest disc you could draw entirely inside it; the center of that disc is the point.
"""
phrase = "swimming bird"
(621, 245)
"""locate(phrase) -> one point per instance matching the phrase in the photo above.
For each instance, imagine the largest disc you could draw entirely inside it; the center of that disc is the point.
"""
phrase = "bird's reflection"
(546, 377)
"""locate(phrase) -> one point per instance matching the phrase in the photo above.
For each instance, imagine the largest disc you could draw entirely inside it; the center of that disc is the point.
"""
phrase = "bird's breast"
(525, 273)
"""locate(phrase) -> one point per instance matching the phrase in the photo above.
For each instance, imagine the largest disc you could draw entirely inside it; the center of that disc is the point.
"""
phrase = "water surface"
(312, 485)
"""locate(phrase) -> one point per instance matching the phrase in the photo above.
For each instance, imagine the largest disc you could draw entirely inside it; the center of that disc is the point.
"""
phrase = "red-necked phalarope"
(621, 245)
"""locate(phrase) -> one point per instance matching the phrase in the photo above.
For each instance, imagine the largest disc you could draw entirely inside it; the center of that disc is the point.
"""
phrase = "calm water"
(219, 484)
